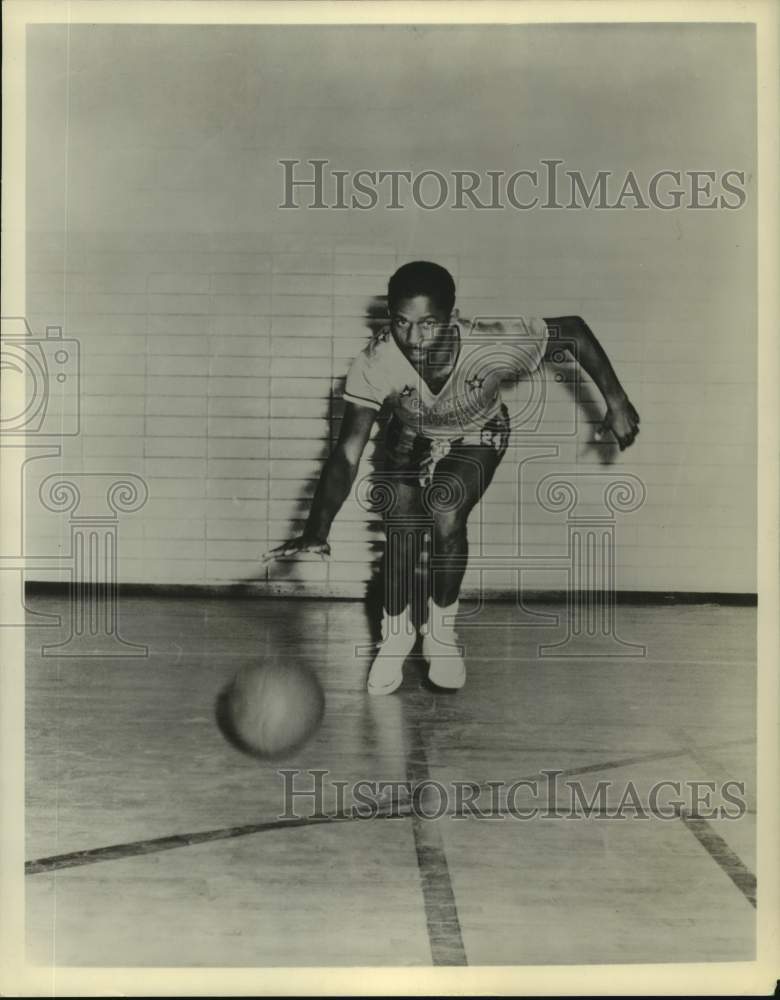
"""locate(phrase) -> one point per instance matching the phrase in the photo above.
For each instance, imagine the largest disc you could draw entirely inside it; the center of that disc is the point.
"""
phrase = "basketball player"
(448, 429)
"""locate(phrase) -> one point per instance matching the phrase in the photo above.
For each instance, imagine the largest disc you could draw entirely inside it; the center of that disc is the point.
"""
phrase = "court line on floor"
(611, 765)
(118, 852)
(722, 854)
(441, 911)
(137, 848)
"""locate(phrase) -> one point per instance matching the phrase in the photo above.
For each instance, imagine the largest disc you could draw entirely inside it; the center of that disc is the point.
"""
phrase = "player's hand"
(622, 420)
(295, 546)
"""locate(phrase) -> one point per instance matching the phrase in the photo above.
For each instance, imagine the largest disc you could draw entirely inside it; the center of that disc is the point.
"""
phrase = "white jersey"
(491, 351)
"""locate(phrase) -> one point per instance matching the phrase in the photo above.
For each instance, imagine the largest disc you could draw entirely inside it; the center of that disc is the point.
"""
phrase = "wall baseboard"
(298, 591)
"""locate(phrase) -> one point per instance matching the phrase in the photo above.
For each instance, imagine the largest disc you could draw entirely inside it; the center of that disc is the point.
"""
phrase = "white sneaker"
(398, 639)
(441, 649)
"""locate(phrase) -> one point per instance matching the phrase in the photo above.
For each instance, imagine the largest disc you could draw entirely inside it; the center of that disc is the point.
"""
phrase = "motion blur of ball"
(275, 708)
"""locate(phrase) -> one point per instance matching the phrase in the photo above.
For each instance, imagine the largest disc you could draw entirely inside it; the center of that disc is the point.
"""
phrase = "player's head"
(420, 298)
(422, 278)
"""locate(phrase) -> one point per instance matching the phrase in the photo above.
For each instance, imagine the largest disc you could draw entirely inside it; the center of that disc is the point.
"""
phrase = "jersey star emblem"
(475, 384)
(407, 390)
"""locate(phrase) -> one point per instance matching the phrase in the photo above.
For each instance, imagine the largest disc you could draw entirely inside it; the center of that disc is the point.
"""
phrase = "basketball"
(275, 708)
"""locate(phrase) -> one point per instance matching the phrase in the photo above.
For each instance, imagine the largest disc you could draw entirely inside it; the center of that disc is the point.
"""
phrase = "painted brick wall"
(215, 329)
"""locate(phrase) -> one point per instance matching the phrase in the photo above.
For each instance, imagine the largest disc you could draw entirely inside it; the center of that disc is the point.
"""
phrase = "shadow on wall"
(375, 318)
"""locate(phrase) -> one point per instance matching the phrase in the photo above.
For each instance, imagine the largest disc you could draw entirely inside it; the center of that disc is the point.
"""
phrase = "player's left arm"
(576, 336)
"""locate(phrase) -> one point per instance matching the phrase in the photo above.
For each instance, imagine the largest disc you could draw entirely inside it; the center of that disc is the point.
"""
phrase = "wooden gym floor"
(152, 841)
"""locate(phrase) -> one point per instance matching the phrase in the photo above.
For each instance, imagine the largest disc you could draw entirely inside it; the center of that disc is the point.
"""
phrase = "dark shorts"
(409, 456)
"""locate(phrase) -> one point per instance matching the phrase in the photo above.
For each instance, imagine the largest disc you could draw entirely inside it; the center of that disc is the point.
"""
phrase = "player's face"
(419, 324)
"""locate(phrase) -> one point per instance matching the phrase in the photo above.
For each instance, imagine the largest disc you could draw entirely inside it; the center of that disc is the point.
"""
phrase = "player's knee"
(449, 531)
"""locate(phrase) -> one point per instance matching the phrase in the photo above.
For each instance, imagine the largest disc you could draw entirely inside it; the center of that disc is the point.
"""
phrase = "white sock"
(400, 624)
(441, 619)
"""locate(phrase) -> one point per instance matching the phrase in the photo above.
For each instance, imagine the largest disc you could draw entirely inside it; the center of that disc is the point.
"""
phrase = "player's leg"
(459, 484)
(462, 478)
(402, 516)
(402, 549)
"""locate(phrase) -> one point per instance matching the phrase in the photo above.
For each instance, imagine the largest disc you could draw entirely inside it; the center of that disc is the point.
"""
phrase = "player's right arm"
(336, 479)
